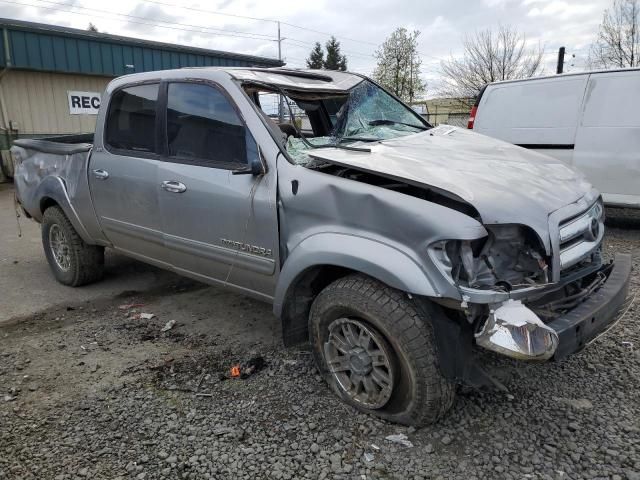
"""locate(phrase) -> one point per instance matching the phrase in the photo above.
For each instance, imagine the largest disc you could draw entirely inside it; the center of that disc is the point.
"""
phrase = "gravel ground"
(91, 391)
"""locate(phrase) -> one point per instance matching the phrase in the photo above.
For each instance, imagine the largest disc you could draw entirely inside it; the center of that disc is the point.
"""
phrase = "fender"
(54, 188)
(381, 261)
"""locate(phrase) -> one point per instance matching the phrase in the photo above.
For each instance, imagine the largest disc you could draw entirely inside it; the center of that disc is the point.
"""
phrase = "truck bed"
(60, 159)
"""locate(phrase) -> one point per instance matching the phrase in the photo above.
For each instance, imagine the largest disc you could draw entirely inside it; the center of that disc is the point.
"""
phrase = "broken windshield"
(307, 119)
(366, 114)
(372, 114)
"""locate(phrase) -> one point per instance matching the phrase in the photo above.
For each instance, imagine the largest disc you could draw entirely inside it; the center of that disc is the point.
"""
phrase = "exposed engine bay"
(509, 258)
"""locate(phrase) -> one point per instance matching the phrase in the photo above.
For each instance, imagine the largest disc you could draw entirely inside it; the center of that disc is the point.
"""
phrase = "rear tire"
(72, 261)
(399, 351)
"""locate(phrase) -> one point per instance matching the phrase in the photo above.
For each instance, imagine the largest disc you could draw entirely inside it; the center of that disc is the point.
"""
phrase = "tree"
(489, 56)
(398, 67)
(335, 60)
(316, 57)
(92, 27)
(618, 41)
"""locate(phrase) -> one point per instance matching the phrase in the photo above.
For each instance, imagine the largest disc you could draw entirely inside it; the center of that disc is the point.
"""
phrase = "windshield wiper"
(383, 121)
(358, 139)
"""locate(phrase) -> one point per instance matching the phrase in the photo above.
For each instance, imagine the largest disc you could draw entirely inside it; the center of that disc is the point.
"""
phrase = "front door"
(218, 226)
(123, 174)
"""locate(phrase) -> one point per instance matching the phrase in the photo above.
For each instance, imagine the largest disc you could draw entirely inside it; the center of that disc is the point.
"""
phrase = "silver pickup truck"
(398, 250)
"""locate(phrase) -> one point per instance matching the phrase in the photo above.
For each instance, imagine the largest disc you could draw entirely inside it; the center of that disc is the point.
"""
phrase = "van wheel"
(72, 261)
(375, 348)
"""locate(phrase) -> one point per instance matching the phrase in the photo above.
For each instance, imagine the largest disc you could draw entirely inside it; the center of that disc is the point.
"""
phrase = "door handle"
(101, 174)
(173, 186)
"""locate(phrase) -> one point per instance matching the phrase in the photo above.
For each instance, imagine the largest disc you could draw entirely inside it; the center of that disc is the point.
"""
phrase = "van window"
(131, 119)
(203, 127)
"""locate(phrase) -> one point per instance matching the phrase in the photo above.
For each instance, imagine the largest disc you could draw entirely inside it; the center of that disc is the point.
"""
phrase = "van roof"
(562, 75)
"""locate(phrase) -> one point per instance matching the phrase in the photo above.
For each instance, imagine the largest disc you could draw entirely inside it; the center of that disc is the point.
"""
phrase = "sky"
(360, 25)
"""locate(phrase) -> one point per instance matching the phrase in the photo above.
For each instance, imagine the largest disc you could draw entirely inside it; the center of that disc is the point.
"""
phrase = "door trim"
(228, 256)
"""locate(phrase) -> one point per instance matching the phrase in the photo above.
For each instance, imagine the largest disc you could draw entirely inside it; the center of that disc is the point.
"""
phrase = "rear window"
(131, 119)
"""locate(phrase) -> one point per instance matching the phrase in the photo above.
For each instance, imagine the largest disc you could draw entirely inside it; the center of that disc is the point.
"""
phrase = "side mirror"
(255, 167)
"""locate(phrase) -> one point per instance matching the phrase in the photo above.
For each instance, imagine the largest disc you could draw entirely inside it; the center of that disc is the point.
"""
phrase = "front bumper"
(593, 317)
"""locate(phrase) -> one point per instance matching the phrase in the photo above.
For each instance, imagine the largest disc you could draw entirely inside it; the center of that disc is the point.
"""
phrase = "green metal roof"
(37, 46)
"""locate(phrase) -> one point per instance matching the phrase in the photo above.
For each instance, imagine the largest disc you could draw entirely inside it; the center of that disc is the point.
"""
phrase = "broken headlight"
(510, 257)
(515, 331)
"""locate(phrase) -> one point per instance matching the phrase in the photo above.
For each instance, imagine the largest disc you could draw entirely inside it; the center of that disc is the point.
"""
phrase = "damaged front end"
(517, 332)
(513, 293)
(508, 261)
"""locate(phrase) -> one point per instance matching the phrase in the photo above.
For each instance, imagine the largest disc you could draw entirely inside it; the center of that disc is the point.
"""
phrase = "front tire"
(72, 261)
(375, 347)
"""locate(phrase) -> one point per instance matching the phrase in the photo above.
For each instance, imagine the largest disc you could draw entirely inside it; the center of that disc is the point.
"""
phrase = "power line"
(221, 32)
(214, 12)
(217, 12)
(304, 43)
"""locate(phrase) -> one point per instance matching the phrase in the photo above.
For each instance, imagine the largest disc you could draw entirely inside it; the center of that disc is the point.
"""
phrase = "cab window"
(203, 128)
(131, 119)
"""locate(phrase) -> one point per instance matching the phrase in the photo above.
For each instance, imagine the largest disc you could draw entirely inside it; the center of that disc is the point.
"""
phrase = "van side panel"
(540, 114)
(607, 146)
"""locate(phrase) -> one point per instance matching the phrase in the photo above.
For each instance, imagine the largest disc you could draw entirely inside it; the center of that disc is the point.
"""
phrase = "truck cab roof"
(286, 78)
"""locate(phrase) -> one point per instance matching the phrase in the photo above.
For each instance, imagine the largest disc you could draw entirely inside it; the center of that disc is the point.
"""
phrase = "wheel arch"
(52, 192)
(323, 258)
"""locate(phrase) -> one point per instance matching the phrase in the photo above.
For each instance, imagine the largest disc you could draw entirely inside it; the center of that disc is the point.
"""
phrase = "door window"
(131, 120)
(203, 127)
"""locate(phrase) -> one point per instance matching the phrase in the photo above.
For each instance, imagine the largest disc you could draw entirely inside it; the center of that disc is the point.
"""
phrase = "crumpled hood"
(505, 183)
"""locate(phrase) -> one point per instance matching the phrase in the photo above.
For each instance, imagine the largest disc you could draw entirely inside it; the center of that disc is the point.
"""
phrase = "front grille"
(581, 236)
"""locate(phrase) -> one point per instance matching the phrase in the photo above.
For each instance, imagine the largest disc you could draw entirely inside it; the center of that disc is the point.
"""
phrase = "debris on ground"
(576, 403)
(145, 316)
(368, 457)
(399, 438)
(129, 306)
(245, 370)
(168, 326)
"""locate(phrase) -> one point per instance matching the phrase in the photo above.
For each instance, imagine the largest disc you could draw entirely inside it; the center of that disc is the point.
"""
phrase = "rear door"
(608, 140)
(540, 114)
(220, 227)
(123, 173)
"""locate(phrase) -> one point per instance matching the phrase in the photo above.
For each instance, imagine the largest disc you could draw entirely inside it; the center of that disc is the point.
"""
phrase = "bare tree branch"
(618, 41)
(489, 56)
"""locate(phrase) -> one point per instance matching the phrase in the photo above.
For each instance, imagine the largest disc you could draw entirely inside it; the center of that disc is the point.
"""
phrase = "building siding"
(38, 101)
(58, 49)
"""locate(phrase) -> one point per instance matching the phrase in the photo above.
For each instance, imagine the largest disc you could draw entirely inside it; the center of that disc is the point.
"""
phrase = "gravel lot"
(90, 391)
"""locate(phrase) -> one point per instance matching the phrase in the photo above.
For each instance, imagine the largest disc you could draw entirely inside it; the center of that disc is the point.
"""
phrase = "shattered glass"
(372, 113)
(369, 115)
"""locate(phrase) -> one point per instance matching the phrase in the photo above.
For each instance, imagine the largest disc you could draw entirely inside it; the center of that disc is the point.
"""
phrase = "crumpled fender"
(52, 187)
(381, 261)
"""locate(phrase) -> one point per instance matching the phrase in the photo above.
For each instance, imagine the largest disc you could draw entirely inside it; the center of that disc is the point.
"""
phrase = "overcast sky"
(360, 25)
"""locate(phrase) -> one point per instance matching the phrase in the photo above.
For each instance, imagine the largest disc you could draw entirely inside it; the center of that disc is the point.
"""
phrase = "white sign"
(83, 102)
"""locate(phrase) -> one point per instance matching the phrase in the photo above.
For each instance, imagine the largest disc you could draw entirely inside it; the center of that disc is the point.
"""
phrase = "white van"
(590, 120)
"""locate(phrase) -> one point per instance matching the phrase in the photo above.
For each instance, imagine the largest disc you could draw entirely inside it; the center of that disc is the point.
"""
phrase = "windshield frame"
(395, 97)
(241, 84)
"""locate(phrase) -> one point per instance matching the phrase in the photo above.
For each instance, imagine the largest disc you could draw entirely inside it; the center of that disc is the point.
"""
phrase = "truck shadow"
(626, 218)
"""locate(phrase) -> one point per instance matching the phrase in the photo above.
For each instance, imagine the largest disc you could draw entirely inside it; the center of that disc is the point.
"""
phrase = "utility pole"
(560, 66)
(280, 99)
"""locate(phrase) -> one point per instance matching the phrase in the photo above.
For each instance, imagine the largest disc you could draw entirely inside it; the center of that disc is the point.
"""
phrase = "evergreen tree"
(335, 60)
(316, 57)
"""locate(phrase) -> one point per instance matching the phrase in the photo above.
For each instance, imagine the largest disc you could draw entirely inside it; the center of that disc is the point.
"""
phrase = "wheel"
(375, 347)
(72, 261)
